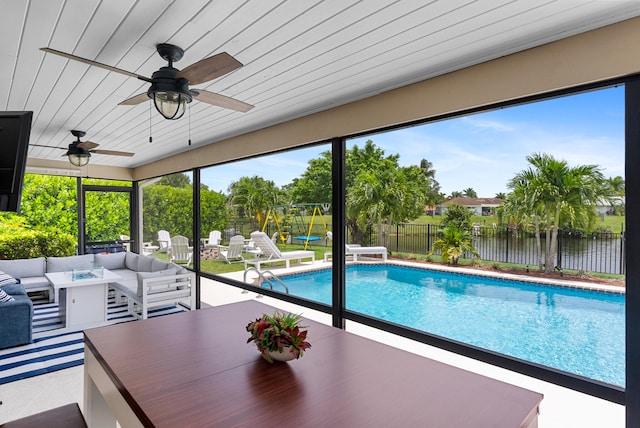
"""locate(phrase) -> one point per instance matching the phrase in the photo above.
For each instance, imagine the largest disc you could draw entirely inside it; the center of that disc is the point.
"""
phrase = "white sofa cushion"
(131, 260)
(35, 283)
(64, 264)
(145, 263)
(20, 268)
(111, 261)
(158, 264)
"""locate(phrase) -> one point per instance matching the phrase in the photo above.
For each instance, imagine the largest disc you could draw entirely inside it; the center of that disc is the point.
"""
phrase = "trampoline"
(307, 238)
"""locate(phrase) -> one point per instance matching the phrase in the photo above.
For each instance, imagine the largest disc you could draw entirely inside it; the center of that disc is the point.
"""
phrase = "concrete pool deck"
(560, 408)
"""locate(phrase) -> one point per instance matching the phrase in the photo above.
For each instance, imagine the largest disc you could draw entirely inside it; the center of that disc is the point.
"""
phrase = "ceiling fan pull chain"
(189, 123)
(150, 137)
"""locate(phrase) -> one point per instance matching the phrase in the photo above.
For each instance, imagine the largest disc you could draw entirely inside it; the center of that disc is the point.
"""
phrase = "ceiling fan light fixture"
(79, 159)
(77, 155)
(170, 95)
(171, 105)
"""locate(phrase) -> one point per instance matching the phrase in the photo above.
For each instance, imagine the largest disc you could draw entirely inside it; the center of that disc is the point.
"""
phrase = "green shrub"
(19, 240)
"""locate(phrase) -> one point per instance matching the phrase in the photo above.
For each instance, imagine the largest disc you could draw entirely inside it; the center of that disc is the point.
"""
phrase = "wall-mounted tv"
(15, 129)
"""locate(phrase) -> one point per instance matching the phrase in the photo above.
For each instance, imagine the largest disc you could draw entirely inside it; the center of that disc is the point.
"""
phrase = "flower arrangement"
(277, 332)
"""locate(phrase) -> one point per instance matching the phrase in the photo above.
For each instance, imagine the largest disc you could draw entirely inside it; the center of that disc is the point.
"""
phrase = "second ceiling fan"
(79, 152)
(169, 88)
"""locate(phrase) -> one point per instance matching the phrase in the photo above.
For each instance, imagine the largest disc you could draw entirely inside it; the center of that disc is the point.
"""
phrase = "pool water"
(579, 331)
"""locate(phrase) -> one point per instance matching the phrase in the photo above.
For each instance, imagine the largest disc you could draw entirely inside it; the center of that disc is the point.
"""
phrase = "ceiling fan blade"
(48, 147)
(209, 68)
(220, 100)
(112, 152)
(136, 99)
(96, 64)
(88, 145)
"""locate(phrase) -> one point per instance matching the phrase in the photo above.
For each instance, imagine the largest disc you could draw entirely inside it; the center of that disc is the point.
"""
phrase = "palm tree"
(251, 197)
(501, 195)
(455, 242)
(469, 193)
(617, 185)
(384, 195)
(432, 187)
(552, 193)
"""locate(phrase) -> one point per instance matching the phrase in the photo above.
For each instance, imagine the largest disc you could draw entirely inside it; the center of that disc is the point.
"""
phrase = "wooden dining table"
(196, 369)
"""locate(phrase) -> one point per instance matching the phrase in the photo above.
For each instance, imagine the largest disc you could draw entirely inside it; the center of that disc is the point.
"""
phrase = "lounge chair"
(180, 252)
(164, 241)
(355, 250)
(270, 253)
(213, 240)
(233, 253)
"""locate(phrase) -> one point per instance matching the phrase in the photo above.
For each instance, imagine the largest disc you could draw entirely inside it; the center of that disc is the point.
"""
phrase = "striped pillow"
(6, 279)
(4, 297)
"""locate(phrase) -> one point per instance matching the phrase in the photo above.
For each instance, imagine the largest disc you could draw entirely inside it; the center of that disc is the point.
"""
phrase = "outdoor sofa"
(16, 317)
(146, 281)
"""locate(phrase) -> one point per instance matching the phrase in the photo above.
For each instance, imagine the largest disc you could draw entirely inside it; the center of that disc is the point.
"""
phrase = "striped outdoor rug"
(52, 350)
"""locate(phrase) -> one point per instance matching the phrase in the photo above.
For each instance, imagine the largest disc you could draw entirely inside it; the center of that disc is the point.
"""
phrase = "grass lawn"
(217, 266)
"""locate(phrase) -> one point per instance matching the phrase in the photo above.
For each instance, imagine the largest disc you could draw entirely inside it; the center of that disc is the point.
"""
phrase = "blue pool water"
(579, 331)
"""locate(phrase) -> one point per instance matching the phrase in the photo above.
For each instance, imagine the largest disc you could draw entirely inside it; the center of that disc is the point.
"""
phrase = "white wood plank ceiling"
(299, 57)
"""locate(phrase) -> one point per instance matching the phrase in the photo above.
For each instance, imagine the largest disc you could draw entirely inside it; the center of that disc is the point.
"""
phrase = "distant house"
(430, 210)
(479, 206)
(607, 207)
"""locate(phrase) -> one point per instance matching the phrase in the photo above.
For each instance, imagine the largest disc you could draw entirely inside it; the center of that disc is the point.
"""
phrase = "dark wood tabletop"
(195, 369)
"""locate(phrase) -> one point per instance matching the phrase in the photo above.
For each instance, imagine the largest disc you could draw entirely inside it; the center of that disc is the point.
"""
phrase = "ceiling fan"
(169, 88)
(79, 152)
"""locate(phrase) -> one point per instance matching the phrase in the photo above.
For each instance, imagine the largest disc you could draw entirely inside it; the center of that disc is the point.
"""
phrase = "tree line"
(548, 195)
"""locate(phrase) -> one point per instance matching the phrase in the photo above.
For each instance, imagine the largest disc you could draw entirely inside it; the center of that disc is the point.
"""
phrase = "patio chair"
(127, 245)
(233, 253)
(269, 252)
(213, 240)
(164, 241)
(179, 250)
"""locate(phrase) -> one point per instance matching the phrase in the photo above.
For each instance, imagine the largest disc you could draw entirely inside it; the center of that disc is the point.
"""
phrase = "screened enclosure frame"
(629, 396)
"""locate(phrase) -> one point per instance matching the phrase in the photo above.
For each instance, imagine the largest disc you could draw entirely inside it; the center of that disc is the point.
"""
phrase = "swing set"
(290, 222)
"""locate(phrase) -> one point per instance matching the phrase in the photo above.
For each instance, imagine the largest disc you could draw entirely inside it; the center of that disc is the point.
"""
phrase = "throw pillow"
(6, 279)
(4, 297)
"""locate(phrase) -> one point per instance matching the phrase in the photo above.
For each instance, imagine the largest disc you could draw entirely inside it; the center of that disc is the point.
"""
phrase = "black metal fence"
(601, 252)
(594, 252)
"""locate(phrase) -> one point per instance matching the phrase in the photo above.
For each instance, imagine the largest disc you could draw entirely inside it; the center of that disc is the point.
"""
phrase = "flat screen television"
(15, 129)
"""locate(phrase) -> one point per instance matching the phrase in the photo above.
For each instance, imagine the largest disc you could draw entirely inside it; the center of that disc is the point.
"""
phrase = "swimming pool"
(579, 331)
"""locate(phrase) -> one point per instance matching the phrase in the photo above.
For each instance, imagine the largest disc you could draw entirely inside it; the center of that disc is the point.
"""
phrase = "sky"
(481, 151)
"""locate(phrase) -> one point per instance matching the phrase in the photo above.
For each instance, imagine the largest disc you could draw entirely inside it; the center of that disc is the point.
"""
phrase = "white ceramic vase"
(285, 355)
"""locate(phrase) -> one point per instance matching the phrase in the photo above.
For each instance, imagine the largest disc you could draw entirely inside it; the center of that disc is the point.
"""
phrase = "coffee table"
(83, 302)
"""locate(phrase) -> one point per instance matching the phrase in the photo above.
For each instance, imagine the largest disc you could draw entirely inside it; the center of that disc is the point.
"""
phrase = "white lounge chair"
(355, 250)
(164, 241)
(270, 253)
(213, 240)
(233, 253)
(180, 252)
